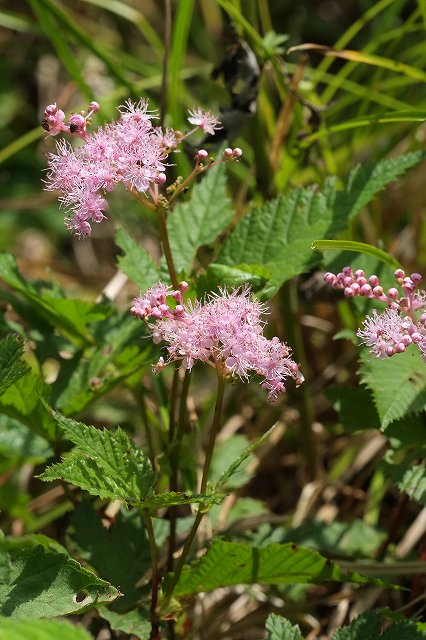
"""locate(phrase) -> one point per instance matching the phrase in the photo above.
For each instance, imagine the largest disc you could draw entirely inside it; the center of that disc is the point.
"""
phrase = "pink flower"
(398, 326)
(226, 331)
(128, 151)
(53, 120)
(205, 120)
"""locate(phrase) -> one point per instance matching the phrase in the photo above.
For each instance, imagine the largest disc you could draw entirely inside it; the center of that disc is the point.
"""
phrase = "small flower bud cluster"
(225, 332)
(54, 121)
(401, 324)
(153, 304)
(130, 151)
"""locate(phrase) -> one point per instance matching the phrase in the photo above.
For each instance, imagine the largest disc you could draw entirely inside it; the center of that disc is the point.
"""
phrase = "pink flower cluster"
(226, 331)
(130, 151)
(401, 324)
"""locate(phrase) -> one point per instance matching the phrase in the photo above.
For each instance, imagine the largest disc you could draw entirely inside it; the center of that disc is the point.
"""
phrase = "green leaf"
(281, 629)
(12, 368)
(355, 407)
(25, 629)
(199, 221)
(370, 626)
(22, 402)
(104, 463)
(254, 275)
(231, 563)
(16, 440)
(280, 234)
(69, 316)
(405, 115)
(364, 182)
(398, 384)
(358, 247)
(171, 499)
(44, 584)
(134, 622)
(119, 553)
(354, 539)
(222, 454)
(120, 351)
(407, 475)
(137, 264)
(414, 483)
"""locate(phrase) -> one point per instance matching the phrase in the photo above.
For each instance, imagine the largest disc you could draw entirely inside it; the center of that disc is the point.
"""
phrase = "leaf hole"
(80, 596)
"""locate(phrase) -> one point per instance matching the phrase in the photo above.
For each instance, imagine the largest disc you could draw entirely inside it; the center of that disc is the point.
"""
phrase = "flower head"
(128, 151)
(402, 323)
(206, 120)
(226, 331)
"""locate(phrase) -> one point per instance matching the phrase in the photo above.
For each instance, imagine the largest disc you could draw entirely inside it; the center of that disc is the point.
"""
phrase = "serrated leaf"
(44, 584)
(104, 463)
(12, 368)
(413, 482)
(119, 553)
(232, 563)
(137, 264)
(239, 462)
(199, 221)
(25, 629)
(371, 626)
(398, 384)
(365, 181)
(281, 629)
(280, 234)
(134, 622)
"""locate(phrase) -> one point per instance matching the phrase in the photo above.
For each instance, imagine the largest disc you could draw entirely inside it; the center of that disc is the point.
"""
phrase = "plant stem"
(173, 483)
(203, 486)
(166, 247)
(155, 579)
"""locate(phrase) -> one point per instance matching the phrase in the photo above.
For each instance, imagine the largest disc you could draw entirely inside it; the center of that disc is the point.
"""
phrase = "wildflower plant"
(145, 513)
